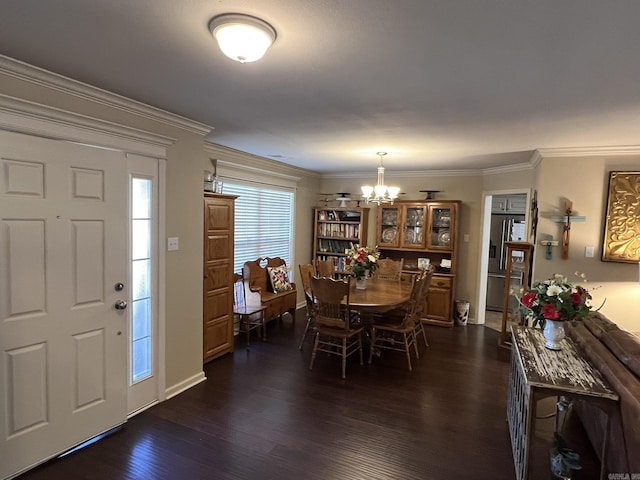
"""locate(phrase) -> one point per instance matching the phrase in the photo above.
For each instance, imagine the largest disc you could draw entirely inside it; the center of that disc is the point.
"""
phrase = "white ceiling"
(439, 84)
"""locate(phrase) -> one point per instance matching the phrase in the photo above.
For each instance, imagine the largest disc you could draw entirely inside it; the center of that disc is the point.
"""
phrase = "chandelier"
(380, 193)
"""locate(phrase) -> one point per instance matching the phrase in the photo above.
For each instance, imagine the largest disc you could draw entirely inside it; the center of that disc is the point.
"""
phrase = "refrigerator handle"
(502, 240)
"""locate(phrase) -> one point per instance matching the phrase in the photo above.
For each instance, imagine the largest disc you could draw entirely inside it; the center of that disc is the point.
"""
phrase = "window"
(141, 248)
(263, 223)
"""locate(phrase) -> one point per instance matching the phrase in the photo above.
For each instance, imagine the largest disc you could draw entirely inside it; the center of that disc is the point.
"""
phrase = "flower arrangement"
(360, 259)
(556, 299)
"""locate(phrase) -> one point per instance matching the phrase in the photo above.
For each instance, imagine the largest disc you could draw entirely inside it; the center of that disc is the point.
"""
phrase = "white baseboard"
(184, 385)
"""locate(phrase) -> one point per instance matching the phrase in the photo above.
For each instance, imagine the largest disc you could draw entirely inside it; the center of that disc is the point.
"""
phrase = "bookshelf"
(337, 229)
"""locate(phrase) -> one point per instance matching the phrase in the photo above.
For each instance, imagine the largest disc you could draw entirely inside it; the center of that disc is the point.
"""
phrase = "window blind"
(263, 223)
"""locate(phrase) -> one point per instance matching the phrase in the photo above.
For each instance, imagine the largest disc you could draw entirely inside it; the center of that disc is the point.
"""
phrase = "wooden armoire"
(218, 275)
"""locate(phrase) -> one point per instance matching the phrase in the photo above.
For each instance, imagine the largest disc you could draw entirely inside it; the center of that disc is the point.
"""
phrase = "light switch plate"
(589, 251)
(173, 244)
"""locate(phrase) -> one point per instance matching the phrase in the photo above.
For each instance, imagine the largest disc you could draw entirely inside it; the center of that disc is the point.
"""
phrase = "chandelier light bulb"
(393, 192)
(367, 190)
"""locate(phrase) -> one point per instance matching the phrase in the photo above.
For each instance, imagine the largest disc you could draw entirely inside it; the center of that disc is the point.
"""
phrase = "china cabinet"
(337, 229)
(423, 232)
(518, 270)
(218, 275)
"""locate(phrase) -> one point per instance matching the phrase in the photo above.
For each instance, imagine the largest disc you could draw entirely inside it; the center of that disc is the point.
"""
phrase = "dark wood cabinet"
(424, 231)
(218, 275)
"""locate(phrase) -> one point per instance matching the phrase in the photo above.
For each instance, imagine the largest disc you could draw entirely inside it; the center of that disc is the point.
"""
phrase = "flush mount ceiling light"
(241, 37)
(380, 193)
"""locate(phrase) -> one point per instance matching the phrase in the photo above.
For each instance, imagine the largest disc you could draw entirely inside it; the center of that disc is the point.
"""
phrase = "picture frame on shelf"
(423, 263)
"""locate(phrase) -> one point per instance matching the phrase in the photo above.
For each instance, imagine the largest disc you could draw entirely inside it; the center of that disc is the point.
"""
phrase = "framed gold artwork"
(621, 241)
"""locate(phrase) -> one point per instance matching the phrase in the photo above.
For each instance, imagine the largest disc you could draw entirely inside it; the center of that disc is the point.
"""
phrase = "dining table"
(379, 295)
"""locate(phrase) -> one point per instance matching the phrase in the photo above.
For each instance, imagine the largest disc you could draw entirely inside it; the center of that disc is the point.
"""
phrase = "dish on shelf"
(412, 215)
(444, 237)
(390, 217)
(409, 236)
(389, 235)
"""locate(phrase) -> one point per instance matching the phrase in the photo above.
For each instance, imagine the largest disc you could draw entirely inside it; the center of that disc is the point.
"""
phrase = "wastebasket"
(462, 312)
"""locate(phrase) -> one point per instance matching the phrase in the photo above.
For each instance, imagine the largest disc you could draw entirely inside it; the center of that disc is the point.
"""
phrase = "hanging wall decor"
(621, 241)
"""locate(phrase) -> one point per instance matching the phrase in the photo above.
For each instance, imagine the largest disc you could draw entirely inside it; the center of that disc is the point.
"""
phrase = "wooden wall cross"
(566, 230)
(567, 218)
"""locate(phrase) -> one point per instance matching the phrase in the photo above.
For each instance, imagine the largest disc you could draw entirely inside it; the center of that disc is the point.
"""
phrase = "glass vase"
(361, 283)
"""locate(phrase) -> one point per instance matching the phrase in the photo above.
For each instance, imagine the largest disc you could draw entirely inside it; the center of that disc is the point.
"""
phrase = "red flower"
(576, 298)
(549, 312)
(528, 299)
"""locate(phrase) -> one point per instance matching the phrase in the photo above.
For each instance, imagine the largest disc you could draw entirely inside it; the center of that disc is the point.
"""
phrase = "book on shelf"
(339, 263)
(339, 230)
(326, 245)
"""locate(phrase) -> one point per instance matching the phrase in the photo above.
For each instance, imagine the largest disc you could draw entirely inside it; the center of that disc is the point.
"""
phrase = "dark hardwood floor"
(262, 414)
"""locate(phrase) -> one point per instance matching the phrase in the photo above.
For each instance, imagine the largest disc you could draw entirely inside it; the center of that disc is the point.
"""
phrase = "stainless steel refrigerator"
(504, 228)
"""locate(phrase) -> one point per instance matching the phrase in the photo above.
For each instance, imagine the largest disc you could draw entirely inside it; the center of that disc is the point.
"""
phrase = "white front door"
(63, 250)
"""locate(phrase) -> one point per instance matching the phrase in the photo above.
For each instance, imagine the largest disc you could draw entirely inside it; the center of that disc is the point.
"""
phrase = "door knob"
(121, 305)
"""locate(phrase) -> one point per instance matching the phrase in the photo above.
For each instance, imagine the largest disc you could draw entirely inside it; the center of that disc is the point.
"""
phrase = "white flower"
(554, 290)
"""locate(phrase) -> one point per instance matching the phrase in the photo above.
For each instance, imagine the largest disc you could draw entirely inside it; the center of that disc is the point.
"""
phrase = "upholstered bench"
(267, 284)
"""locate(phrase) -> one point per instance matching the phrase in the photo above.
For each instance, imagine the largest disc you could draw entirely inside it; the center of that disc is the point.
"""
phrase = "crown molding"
(517, 167)
(588, 151)
(406, 173)
(469, 172)
(22, 116)
(248, 161)
(39, 76)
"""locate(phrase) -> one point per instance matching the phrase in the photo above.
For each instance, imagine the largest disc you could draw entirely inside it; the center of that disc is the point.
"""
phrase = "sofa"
(267, 284)
(615, 352)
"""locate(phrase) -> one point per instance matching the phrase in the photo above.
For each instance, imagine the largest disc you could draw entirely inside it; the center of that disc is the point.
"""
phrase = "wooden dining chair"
(335, 333)
(421, 308)
(307, 270)
(250, 316)
(389, 269)
(324, 268)
(396, 330)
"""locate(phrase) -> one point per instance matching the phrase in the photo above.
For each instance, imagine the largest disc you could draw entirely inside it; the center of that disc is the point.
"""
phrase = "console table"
(537, 373)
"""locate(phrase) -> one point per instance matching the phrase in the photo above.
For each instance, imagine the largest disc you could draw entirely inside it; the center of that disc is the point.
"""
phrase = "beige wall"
(584, 181)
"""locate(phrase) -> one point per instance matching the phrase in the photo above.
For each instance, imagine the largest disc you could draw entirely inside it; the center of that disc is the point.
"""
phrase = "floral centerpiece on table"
(555, 299)
(361, 260)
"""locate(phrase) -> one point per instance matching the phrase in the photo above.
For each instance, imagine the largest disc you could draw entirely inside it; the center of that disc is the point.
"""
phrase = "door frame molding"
(485, 218)
(25, 117)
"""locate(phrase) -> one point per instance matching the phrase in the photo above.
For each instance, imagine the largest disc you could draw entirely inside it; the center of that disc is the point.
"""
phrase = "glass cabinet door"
(413, 228)
(441, 232)
(388, 234)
